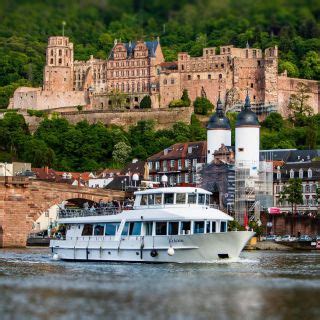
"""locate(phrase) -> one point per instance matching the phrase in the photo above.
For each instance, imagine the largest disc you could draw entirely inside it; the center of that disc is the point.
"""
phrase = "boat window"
(208, 227)
(198, 227)
(135, 228)
(161, 228)
(185, 227)
(207, 199)
(158, 198)
(192, 198)
(213, 229)
(148, 228)
(201, 198)
(98, 230)
(151, 199)
(87, 230)
(144, 200)
(168, 198)
(173, 228)
(125, 229)
(111, 228)
(223, 226)
(180, 198)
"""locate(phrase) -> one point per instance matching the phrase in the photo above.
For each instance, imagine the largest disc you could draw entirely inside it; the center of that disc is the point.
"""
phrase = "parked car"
(316, 238)
(271, 237)
(304, 237)
(286, 238)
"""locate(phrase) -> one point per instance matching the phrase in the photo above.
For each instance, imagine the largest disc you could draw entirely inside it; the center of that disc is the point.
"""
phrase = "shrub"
(146, 102)
(176, 103)
(36, 113)
(202, 106)
(185, 98)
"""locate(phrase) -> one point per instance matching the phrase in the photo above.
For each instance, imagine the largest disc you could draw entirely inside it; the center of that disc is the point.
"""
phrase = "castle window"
(198, 76)
(52, 52)
(165, 81)
(217, 66)
(254, 97)
(172, 81)
(251, 85)
(254, 53)
(207, 51)
(189, 77)
(60, 52)
(60, 61)
(51, 61)
(220, 76)
(209, 76)
(222, 65)
(182, 67)
(300, 173)
(259, 63)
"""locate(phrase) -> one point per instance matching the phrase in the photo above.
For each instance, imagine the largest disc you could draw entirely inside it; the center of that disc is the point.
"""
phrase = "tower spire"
(247, 104)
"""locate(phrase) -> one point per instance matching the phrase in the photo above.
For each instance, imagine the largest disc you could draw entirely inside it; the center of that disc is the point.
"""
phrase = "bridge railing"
(90, 212)
(14, 180)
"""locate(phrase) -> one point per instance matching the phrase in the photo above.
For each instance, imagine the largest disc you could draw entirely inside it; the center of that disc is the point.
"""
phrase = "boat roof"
(156, 214)
(173, 189)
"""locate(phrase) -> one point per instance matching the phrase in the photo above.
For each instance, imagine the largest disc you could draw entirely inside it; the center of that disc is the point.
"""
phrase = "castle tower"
(218, 132)
(58, 72)
(247, 139)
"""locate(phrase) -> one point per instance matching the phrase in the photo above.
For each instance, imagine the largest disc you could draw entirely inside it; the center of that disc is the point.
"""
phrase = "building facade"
(136, 69)
(181, 163)
(309, 173)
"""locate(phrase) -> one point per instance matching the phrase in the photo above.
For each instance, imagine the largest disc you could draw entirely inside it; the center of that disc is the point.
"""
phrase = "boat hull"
(196, 248)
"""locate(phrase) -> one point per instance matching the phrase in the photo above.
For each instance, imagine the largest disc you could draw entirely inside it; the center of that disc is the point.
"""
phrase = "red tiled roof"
(180, 151)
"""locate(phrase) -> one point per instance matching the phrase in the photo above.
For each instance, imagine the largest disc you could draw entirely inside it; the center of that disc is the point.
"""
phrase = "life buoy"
(154, 253)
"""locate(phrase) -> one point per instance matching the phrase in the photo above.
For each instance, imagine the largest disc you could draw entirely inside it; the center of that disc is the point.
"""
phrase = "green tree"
(37, 152)
(146, 102)
(311, 65)
(292, 193)
(185, 98)
(202, 106)
(121, 152)
(298, 104)
(273, 121)
(290, 67)
(118, 99)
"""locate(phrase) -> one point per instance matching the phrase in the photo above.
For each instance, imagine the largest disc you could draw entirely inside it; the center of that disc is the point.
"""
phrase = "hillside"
(182, 25)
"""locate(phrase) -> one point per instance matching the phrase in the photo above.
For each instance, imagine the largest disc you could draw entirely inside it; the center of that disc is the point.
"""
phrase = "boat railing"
(78, 212)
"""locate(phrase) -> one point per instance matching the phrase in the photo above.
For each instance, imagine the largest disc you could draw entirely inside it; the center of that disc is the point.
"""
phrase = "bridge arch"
(23, 204)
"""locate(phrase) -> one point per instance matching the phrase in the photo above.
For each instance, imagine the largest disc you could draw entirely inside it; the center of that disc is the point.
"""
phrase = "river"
(261, 285)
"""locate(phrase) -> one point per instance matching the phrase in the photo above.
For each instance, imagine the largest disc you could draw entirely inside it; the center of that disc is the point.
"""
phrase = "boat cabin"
(167, 197)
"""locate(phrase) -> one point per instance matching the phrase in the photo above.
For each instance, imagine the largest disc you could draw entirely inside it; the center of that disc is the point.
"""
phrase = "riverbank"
(277, 246)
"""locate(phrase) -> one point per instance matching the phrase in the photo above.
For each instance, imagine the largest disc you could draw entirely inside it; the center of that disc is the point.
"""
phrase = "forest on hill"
(183, 25)
(85, 147)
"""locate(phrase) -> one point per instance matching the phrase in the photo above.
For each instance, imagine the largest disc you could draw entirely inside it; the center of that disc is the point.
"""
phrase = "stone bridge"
(22, 201)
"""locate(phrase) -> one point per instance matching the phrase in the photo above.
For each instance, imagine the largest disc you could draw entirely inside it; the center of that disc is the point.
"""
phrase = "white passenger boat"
(165, 225)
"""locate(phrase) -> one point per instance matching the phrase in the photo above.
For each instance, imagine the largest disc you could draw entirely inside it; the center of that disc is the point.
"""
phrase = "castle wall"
(287, 87)
(42, 100)
(164, 119)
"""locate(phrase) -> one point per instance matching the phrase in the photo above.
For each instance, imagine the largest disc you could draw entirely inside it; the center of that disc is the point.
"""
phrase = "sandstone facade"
(137, 69)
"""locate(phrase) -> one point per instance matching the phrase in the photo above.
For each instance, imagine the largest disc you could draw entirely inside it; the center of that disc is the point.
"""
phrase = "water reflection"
(262, 285)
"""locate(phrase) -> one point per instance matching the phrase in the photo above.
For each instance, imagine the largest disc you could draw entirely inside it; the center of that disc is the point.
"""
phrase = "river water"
(261, 285)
